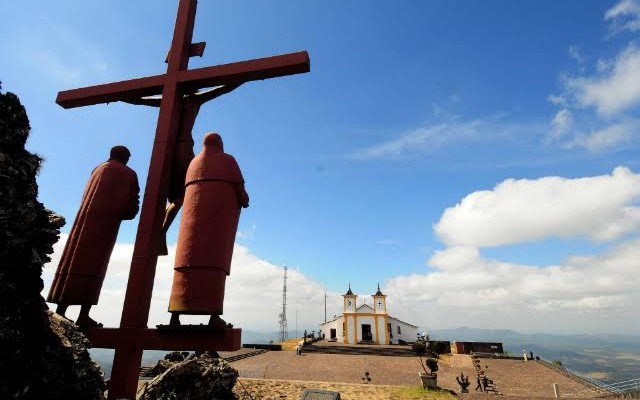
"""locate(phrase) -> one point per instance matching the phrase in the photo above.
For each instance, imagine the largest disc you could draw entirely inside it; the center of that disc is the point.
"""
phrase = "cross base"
(129, 344)
(184, 337)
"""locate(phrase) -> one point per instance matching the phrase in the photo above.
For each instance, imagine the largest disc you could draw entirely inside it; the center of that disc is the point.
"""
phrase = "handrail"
(628, 385)
(598, 384)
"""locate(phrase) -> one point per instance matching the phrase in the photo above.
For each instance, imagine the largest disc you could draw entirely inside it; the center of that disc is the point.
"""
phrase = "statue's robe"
(111, 195)
(214, 195)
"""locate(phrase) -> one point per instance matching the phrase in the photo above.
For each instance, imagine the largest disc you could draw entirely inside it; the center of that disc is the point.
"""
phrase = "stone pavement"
(531, 379)
(513, 378)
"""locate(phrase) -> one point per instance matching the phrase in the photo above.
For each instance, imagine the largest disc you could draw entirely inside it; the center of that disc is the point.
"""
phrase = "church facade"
(366, 324)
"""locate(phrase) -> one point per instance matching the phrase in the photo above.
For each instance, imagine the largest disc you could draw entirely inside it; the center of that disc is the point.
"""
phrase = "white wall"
(352, 330)
(337, 325)
(382, 331)
(407, 332)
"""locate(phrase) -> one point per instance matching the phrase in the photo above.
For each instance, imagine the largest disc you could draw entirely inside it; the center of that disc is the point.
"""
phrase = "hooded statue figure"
(214, 195)
(111, 195)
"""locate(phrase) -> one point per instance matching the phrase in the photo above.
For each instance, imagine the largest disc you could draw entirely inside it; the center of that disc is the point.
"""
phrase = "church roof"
(364, 308)
(406, 323)
(349, 292)
(378, 293)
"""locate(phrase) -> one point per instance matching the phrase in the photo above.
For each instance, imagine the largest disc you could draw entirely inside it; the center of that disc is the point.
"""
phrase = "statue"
(111, 195)
(183, 153)
(214, 195)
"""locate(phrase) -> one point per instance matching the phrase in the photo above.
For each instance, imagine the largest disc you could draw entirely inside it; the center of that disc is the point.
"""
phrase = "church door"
(366, 332)
(332, 333)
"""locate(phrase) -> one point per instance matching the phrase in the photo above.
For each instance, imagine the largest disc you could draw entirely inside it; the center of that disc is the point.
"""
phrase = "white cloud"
(624, 15)
(574, 52)
(609, 137)
(594, 292)
(248, 233)
(615, 90)
(434, 136)
(253, 294)
(465, 288)
(428, 137)
(561, 124)
(515, 211)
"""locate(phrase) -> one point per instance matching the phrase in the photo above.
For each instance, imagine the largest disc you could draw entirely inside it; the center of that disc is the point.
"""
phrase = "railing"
(627, 386)
(599, 385)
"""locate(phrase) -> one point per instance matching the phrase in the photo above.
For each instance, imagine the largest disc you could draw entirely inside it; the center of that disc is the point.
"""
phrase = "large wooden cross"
(133, 336)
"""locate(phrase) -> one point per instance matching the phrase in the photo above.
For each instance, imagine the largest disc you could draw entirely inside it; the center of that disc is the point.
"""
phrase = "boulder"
(196, 378)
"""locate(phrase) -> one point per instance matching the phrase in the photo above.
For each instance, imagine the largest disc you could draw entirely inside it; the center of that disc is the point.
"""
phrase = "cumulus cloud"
(465, 288)
(613, 91)
(593, 292)
(253, 294)
(515, 211)
(624, 15)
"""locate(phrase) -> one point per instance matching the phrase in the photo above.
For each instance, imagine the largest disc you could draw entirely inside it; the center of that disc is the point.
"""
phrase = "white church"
(366, 324)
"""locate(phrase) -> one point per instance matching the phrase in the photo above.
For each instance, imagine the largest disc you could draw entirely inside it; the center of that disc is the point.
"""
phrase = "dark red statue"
(183, 153)
(110, 197)
(214, 195)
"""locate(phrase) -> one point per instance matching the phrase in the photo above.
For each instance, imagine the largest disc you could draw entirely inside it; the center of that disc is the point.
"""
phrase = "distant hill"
(607, 357)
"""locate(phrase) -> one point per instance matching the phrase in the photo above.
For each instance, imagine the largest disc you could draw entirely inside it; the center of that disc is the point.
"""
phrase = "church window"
(390, 331)
(399, 330)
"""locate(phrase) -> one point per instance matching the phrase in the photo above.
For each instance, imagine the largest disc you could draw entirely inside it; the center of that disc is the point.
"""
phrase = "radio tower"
(283, 316)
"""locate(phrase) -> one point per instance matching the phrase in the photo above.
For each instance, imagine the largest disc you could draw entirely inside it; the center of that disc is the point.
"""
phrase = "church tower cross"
(133, 336)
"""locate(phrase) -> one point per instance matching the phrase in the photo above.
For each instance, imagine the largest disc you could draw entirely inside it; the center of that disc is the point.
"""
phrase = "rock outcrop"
(42, 356)
(196, 378)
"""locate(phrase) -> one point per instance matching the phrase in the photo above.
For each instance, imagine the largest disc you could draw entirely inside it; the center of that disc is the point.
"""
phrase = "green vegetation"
(418, 393)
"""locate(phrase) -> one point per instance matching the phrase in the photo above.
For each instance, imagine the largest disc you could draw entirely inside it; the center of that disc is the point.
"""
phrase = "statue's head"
(120, 153)
(213, 141)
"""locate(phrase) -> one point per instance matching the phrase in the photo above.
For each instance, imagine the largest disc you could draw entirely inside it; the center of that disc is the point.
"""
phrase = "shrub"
(432, 364)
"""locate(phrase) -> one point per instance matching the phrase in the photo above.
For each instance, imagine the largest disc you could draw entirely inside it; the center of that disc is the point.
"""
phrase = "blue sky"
(477, 159)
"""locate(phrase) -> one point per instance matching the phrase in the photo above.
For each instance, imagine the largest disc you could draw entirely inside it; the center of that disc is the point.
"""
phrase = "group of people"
(483, 383)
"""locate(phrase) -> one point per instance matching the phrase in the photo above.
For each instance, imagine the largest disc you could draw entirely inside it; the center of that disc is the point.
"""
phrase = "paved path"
(531, 379)
(513, 378)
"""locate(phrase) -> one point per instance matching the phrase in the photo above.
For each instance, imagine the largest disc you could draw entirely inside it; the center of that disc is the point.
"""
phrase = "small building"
(366, 324)
(476, 347)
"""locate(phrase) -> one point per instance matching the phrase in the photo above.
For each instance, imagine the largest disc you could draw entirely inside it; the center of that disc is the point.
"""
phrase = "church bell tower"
(381, 317)
(349, 326)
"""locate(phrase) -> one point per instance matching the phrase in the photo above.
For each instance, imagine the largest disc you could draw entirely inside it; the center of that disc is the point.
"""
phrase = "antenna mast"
(283, 316)
(325, 304)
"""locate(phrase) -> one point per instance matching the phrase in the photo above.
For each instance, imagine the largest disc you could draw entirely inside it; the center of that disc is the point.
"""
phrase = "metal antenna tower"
(283, 316)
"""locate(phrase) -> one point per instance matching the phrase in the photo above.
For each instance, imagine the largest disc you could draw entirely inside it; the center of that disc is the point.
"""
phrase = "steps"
(244, 355)
(360, 350)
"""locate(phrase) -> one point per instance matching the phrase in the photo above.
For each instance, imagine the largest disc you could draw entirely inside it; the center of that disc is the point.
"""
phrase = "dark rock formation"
(196, 378)
(39, 358)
